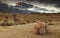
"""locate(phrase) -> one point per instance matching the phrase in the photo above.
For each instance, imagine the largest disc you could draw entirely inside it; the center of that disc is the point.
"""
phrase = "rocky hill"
(19, 18)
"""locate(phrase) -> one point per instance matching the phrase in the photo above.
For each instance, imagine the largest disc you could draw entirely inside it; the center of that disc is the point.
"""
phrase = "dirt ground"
(25, 31)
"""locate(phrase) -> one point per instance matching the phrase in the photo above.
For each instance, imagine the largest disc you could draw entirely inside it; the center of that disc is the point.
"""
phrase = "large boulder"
(41, 28)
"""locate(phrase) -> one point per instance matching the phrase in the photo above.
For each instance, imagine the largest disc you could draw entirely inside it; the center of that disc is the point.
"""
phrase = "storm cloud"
(56, 2)
(48, 5)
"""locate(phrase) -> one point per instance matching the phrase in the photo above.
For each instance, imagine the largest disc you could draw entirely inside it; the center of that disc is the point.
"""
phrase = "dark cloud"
(46, 1)
(42, 1)
(56, 2)
(43, 5)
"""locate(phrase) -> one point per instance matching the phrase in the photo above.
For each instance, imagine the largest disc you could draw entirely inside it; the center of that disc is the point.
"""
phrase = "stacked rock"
(41, 28)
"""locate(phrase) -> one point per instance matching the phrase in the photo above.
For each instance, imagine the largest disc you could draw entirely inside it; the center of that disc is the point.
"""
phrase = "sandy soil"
(25, 31)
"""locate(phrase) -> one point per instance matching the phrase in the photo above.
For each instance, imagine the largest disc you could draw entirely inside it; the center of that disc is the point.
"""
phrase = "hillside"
(22, 25)
(16, 18)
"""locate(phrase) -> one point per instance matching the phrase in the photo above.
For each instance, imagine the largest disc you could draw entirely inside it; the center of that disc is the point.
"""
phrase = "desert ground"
(22, 25)
(25, 31)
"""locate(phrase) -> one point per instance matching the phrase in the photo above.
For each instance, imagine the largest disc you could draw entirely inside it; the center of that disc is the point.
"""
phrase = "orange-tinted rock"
(41, 28)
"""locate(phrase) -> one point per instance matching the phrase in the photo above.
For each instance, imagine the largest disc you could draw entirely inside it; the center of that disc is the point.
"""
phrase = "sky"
(46, 4)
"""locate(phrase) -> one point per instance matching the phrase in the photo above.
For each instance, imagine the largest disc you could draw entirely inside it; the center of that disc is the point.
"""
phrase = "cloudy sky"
(50, 5)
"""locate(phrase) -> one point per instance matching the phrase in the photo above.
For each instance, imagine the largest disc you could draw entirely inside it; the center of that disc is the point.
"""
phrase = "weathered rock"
(41, 28)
